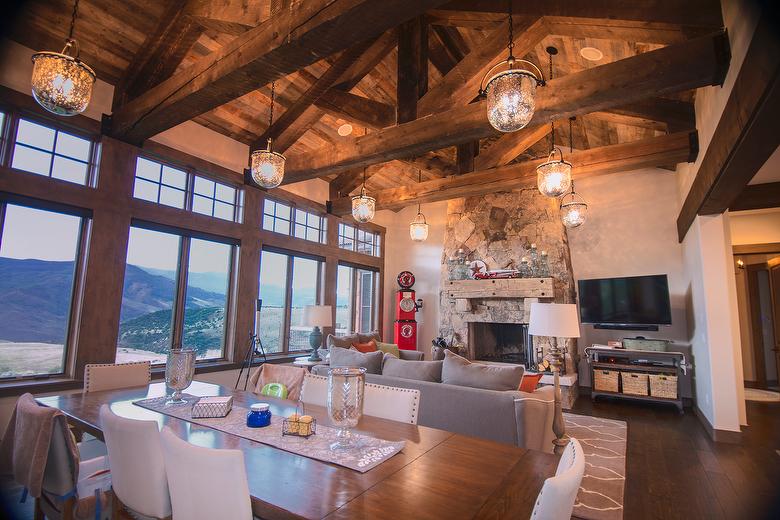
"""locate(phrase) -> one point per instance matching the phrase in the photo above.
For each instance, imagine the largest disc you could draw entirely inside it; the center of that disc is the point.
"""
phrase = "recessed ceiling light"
(591, 53)
(345, 129)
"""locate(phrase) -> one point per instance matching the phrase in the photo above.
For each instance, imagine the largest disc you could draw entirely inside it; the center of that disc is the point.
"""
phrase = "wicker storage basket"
(605, 380)
(663, 385)
(633, 383)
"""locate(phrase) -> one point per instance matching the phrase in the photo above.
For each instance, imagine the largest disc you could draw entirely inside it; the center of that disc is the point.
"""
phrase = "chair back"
(109, 376)
(557, 497)
(385, 402)
(205, 483)
(135, 457)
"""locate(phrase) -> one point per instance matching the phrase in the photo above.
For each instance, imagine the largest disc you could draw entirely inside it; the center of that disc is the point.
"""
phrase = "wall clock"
(405, 279)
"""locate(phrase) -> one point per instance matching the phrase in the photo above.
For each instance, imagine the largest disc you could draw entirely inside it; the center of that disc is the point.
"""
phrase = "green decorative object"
(388, 348)
(274, 390)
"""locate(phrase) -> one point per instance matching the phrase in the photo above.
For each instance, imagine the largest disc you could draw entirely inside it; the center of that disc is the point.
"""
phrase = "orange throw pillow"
(529, 382)
(365, 347)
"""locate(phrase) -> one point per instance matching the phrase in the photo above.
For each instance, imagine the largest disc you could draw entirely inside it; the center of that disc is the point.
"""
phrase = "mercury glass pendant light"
(511, 94)
(553, 177)
(61, 82)
(573, 207)
(267, 165)
(363, 206)
(418, 229)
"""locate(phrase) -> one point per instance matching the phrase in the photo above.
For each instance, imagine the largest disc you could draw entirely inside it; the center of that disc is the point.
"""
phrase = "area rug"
(604, 443)
(764, 396)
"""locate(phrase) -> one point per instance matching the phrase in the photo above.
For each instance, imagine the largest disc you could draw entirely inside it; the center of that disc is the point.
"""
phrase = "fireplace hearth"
(501, 342)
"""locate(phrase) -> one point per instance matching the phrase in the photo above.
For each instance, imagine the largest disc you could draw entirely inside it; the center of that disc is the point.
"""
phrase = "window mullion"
(179, 304)
(288, 304)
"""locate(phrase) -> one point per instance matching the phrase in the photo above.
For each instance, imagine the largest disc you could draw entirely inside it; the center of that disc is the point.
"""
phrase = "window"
(360, 240)
(357, 294)
(38, 254)
(163, 184)
(287, 284)
(151, 318)
(52, 153)
(283, 218)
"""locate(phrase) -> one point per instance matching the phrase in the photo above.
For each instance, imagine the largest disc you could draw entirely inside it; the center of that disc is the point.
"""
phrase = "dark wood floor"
(675, 471)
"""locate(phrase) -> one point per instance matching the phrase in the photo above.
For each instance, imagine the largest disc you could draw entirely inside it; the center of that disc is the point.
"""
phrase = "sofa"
(349, 339)
(512, 417)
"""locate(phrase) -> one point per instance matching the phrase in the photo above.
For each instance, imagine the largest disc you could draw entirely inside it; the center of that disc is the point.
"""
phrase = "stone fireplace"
(502, 342)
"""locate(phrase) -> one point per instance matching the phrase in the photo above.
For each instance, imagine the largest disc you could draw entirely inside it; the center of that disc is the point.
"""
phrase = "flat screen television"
(632, 302)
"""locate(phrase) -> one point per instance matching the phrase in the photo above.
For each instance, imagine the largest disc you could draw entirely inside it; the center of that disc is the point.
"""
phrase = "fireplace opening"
(502, 342)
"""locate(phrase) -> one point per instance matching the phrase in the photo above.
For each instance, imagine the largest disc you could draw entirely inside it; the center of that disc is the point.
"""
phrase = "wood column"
(412, 67)
(247, 277)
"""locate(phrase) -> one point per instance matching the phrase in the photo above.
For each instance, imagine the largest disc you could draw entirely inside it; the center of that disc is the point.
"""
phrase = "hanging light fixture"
(418, 229)
(267, 165)
(61, 82)
(553, 177)
(573, 207)
(363, 206)
(511, 94)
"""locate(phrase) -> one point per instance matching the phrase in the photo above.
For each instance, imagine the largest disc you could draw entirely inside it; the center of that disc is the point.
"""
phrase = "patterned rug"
(604, 442)
(764, 396)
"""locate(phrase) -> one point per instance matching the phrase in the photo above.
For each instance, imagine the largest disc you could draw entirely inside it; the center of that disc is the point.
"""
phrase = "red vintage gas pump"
(406, 307)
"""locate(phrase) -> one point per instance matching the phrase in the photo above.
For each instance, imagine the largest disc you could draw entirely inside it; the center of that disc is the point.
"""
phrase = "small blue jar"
(259, 416)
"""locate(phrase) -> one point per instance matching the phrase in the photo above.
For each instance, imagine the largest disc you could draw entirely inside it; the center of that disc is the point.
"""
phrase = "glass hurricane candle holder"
(179, 370)
(346, 386)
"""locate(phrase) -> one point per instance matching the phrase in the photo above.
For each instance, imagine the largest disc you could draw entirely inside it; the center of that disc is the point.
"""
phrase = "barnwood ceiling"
(137, 44)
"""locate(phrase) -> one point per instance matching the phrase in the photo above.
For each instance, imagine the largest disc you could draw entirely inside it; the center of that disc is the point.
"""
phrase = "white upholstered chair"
(135, 457)
(205, 483)
(109, 376)
(385, 402)
(557, 497)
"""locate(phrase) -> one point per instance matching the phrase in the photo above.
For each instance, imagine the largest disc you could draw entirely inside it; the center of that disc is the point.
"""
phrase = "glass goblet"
(179, 369)
(346, 386)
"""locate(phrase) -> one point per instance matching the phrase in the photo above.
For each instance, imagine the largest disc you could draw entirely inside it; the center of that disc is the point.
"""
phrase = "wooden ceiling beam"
(368, 60)
(681, 147)
(696, 63)
(412, 67)
(359, 109)
(622, 30)
(757, 196)
(663, 114)
(231, 13)
(320, 28)
(509, 146)
(448, 48)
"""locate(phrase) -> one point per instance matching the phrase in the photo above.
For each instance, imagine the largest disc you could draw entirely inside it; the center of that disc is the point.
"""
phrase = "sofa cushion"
(457, 370)
(342, 341)
(388, 348)
(369, 346)
(342, 357)
(365, 338)
(417, 370)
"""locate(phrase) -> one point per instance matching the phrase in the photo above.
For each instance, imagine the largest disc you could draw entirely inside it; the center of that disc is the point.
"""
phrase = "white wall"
(755, 227)
(423, 259)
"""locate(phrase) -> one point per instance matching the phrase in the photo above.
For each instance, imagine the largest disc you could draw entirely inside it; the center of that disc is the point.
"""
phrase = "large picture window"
(287, 284)
(38, 255)
(161, 268)
(357, 296)
(288, 220)
(360, 240)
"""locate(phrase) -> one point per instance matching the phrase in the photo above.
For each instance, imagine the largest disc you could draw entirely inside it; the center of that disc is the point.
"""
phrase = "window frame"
(322, 230)
(354, 297)
(375, 244)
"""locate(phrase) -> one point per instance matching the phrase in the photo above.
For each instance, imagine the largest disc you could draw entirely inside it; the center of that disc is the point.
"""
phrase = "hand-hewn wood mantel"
(464, 290)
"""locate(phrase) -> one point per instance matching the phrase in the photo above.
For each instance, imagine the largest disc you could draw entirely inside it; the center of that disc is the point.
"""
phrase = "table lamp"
(556, 320)
(316, 316)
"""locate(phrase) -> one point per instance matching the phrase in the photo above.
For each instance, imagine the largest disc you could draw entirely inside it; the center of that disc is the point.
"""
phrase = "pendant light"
(511, 94)
(573, 208)
(363, 206)
(553, 177)
(267, 165)
(418, 229)
(61, 82)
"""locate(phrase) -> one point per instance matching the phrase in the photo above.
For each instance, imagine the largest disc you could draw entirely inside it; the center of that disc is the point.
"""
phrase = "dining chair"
(110, 376)
(558, 494)
(385, 402)
(135, 456)
(205, 483)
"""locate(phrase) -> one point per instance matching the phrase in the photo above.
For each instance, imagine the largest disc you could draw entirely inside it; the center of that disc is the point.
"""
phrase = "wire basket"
(299, 424)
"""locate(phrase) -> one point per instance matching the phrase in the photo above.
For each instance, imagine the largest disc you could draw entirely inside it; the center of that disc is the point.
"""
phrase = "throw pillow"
(342, 357)
(365, 347)
(388, 348)
(342, 341)
(365, 338)
(457, 370)
(417, 370)
(530, 382)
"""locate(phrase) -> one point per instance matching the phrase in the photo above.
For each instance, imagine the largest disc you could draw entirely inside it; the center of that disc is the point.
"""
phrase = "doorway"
(758, 296)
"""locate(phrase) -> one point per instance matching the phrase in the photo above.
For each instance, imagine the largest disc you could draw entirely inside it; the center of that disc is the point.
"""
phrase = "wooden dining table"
(439, 474)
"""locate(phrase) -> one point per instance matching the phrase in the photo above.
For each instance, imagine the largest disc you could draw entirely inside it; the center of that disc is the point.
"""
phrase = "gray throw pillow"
(458, 370)
(342, 341)
(342, 357)
(417, 370)
(365, 338)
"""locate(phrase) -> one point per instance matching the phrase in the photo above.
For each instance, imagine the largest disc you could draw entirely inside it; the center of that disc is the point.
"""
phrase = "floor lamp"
(556, 320)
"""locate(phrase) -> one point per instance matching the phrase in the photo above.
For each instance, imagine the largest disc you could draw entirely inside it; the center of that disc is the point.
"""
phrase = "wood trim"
(159, 151)
(24, 104)
(757, 196)
(724, 436)
(757, 249)
(756, 332)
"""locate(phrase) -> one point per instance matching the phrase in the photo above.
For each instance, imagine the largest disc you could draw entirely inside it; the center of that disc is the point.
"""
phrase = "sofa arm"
(534, 414)
(411, 355)
(320, 370)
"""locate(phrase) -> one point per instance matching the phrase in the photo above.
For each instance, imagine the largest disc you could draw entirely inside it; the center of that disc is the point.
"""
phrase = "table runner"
(368, 453)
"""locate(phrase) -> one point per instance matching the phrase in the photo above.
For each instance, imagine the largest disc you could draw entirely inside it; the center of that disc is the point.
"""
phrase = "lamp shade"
(558, 320)
(317, 316)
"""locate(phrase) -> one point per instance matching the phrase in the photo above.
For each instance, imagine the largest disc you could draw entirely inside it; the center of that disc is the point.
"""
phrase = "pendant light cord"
(73, 19)
(552, 122)
(511, 45)
(273, 97)
(419, 180)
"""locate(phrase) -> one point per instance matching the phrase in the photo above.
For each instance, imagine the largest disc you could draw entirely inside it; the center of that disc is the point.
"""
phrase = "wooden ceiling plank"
(696, 63)
(672, 148)
(369, 60)
(622, 30)
(263, 54)
(509, 146)
(231, 13)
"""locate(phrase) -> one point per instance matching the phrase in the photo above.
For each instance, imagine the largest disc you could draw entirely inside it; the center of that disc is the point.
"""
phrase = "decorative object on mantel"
(477, 267)
(573, 207)
(418, 229)
(456, 266)
(511, 94)
(179, 370)
(316, 316)
(61, 83)
(553, 177)
(555, 320)
(346, 386)
(268, 166)
(363, 206)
